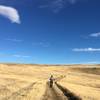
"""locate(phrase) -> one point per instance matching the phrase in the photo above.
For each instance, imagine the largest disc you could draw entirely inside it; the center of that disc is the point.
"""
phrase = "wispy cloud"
(95, 35)
(20, 56)
(54, 5)
(14, 55)
(92, 35)
(17, 2)
(73, 1)
(14, 40)
(86, 49)
(57, 5)
(10, 13)
(93, 62)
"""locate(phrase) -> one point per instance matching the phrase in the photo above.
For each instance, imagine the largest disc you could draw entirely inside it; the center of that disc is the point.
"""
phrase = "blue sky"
(50, 31)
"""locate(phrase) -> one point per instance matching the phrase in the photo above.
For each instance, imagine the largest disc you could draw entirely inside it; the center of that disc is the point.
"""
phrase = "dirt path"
(52, 94)
(59, 93)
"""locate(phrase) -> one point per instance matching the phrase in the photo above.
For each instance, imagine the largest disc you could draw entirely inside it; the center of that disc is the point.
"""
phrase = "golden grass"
(28, 82)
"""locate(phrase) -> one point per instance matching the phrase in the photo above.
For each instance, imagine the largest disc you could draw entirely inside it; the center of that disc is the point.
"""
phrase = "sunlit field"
(29, 82)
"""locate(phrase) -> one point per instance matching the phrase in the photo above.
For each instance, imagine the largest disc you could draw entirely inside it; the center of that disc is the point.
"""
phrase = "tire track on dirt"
(69, 95)
(52, 94)
(23, 92)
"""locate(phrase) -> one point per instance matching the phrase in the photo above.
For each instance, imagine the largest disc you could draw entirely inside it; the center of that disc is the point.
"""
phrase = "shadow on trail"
(67, 93)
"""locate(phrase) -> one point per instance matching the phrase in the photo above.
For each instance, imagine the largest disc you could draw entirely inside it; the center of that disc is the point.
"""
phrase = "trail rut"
(52, 94)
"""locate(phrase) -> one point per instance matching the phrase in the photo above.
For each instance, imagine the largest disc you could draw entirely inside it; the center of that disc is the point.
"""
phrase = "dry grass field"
(29, 82)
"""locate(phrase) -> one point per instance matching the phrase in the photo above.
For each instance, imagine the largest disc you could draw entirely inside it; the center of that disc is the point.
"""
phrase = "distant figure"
(51, 79)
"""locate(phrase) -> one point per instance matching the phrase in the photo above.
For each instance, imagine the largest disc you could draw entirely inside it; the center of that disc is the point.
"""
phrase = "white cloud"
(57, 5)
(14, 40)
(54, 5)
(14, 55)
(20, 56)
(86, 49)
(93, 62)
(10, 13)
(95, 34)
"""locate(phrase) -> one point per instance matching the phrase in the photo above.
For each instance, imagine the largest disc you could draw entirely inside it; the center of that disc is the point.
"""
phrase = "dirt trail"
(52, 94)
(57, 92)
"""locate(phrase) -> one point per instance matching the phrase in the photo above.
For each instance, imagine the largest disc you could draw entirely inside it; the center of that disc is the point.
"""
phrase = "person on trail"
(51, 79)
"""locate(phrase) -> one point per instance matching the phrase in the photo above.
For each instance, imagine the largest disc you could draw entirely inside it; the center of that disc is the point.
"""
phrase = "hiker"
(51, 79)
